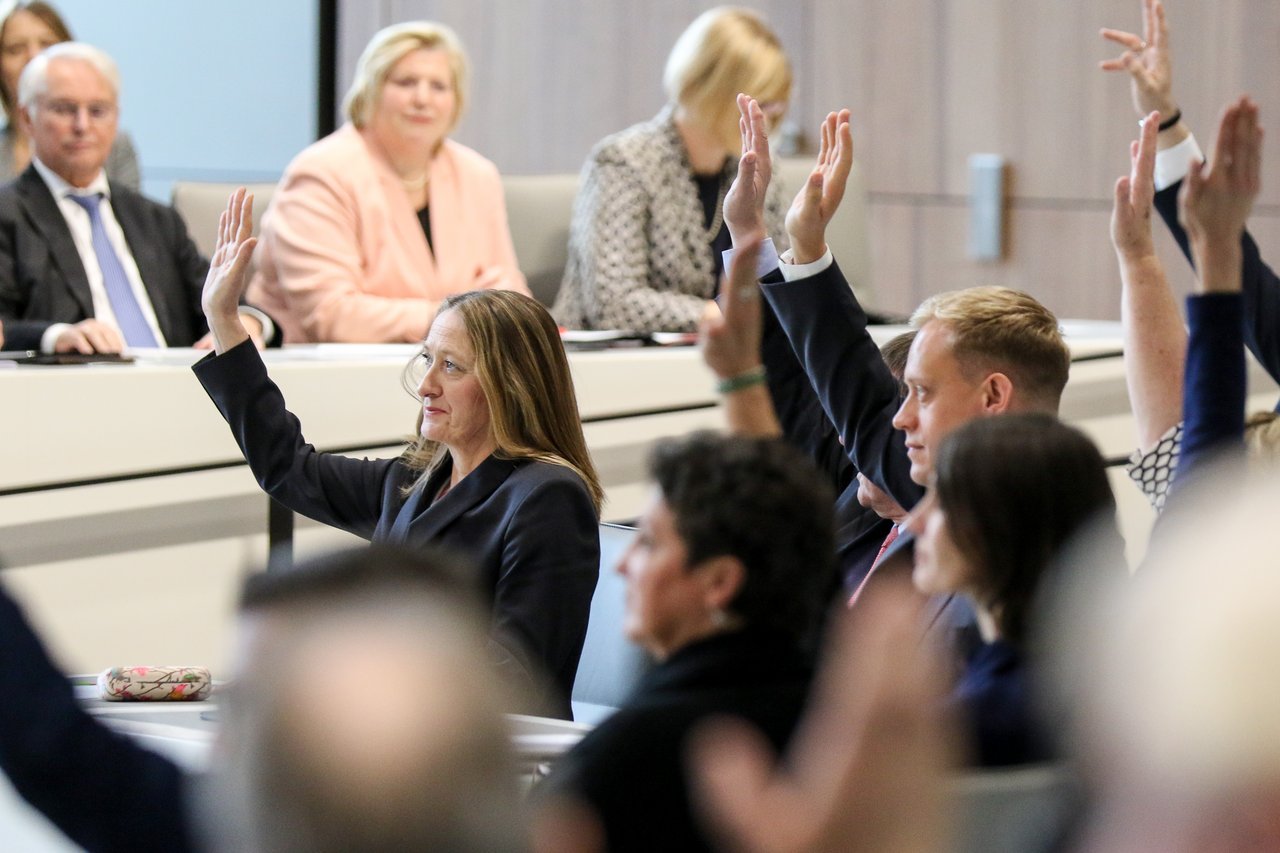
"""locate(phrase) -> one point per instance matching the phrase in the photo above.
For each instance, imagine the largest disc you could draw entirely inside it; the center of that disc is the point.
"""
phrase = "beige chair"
(847, 234)
(201, 203)
(539, 208)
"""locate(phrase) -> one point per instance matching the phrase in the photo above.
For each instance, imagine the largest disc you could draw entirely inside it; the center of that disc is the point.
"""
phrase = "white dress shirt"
(769, 260)
(78, 223)
(1173, 164)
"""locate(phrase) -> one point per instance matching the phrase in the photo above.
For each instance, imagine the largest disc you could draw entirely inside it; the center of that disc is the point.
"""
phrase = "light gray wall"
(219, 91)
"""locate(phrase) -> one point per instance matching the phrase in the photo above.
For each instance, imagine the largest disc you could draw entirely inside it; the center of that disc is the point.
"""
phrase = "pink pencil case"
(155, 683)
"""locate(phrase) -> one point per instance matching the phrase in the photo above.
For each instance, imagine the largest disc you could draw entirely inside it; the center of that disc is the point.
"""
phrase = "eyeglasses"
(97, 111)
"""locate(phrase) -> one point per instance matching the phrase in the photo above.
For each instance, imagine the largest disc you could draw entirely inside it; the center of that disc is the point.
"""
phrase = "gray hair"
(34, 81)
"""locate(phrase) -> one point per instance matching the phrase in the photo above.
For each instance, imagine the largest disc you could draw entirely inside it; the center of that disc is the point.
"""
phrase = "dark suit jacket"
(1260, 284)
(631, 768)
(43, 281)
(102, 790)
(1213, 403)
(828, 333)
(994, 698)
(859, 531)
(22, 334)
(530, 527)
(827, 329)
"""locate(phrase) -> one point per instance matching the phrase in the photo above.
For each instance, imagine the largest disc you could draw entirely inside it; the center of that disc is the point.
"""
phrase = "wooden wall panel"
(879, 58)
(1022, 81)
(550, 78)
(930, 82)
(894, 256)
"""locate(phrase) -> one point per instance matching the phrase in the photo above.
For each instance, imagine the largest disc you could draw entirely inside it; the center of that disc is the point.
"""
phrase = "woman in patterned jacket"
(648, 229)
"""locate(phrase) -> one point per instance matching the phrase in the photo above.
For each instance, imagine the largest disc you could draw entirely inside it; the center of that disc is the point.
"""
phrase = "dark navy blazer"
(1260, 285)
(100, 788)
(1213, 400)
(859, 531)
(530, 527)
(994, 696)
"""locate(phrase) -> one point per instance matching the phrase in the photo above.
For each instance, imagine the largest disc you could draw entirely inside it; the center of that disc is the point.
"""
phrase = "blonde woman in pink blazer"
(376, 223)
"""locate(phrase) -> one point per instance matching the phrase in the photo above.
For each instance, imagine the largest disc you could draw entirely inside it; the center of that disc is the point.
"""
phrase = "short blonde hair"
(1007, 331)
(387, 47)
(524, 373)
(726, 50)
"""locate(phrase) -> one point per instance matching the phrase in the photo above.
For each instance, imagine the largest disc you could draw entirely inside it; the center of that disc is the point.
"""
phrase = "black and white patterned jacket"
(639, 256)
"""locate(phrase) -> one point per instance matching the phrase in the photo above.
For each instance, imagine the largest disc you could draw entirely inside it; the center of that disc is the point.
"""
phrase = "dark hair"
(345, 576)
(762, 502)
(1015, 489)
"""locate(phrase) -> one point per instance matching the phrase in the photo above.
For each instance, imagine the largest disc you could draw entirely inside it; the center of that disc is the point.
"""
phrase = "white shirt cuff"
(1173, 164)
(268, 327)
(795, 272)
(766, 263)
(49, 340)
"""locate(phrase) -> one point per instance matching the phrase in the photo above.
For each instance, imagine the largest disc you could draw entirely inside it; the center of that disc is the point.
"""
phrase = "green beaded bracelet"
(746, 379)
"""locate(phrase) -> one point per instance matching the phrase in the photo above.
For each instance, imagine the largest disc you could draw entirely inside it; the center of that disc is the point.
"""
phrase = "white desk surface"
(105, 514)
(86, 422)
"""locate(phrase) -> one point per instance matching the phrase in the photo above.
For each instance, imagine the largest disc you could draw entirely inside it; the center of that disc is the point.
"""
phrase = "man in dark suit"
(85, 265)
(977, 352)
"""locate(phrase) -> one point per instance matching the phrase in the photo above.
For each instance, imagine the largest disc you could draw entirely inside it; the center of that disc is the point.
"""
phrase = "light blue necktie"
(133, 325)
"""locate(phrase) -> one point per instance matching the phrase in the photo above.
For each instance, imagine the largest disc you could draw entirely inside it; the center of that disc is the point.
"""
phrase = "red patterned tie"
(888, 540)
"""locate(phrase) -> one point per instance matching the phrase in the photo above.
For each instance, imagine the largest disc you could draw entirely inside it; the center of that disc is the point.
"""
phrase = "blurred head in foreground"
(365, 716)
(1179, 685)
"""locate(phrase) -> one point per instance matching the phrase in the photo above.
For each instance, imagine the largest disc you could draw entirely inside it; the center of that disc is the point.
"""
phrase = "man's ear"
(997, 394)
(24, 120)
(722, 577)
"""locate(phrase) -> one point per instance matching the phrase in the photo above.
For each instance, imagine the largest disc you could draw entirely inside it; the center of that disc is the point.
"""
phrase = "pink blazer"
(342, 256)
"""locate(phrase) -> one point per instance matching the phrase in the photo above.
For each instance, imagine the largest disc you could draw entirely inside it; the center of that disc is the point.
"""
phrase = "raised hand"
(744, 203)
(228, 272)
(1217, 196)
(1131, 211)
(730, 338)
(866, 770)
(820, 197)
(1146, 58)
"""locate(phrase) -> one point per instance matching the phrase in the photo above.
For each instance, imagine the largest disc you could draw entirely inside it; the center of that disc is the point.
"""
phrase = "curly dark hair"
(762, 502)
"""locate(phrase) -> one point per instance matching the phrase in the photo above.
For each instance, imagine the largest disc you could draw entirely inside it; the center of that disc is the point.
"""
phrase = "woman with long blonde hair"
(499, 469)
